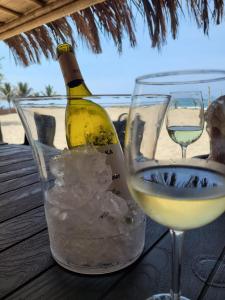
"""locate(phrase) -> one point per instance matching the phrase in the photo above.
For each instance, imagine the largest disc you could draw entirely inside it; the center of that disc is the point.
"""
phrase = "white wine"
(184, 135)
(179, 197)
(87, 123)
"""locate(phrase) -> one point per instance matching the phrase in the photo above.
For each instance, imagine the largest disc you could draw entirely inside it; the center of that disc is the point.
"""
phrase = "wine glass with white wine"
(181, 194)
(185, 118)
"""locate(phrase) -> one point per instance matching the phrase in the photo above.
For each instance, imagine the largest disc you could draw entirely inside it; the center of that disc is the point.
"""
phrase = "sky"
(111, 72)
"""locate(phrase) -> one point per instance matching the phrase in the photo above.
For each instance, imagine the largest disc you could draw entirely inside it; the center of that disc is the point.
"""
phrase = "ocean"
(105, 101)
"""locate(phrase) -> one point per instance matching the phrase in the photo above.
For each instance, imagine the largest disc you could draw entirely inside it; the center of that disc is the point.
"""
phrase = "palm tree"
(23, 90)
(8, 91)
(49, 91)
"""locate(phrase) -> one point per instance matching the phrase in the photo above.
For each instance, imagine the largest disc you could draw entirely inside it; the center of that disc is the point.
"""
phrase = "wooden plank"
(38, 2)
(21, 227)
(10, 11)
(21, 263)
(215, 284)
(10, 149)
(58, 283)
(15, 160)
(19, 201)
(17, 165)
(17, 183)
(152, 275)
(17, 154)
(18, 173)
(13, 146)
(10, 152)
(201, 245)
(43, 15)
(214, 292)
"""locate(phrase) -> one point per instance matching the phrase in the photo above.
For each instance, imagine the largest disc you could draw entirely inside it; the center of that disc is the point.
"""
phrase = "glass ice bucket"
(91, 231)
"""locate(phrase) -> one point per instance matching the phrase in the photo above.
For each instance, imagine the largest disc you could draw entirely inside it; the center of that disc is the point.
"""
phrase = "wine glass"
(185, 118)
(181, 194)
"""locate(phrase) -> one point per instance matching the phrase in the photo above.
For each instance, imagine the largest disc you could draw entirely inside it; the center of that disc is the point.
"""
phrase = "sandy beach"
(13, 133)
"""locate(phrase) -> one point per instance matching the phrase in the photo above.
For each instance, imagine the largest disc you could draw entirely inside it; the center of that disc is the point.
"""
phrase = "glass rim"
(146, 79)
(60, 97)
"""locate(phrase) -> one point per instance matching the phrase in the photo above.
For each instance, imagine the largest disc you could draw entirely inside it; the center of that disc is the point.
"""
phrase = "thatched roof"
(34, 27)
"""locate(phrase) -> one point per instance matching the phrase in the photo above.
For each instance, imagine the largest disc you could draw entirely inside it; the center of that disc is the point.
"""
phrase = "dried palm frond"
(161, 14)
(113, 18)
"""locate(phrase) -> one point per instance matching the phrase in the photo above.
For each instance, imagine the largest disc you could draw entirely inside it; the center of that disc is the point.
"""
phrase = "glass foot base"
(166, 297)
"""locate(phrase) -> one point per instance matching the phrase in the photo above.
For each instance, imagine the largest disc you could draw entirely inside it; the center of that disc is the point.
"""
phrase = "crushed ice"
(82, 194)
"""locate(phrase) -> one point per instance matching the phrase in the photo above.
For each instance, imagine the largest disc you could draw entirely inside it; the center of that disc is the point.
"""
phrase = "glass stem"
(177, 245)
(184, 150)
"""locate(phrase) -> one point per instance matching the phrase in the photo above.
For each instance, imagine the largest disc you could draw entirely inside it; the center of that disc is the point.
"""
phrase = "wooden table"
(27, 270)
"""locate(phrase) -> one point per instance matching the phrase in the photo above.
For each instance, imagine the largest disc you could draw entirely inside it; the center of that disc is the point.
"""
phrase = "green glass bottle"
(87, 123)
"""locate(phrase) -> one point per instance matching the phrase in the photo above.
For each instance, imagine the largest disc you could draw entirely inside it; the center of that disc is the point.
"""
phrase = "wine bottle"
(87, 123)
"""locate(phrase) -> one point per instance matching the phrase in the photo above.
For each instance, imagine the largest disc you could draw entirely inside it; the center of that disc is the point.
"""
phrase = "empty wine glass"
(185, 118)
(181, 194)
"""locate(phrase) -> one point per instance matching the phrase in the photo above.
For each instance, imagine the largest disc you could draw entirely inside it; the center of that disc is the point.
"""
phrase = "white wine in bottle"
(87, 123)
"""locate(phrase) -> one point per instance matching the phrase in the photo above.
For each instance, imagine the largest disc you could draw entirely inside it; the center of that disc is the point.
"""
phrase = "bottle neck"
(70, 69)
(74, 81)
